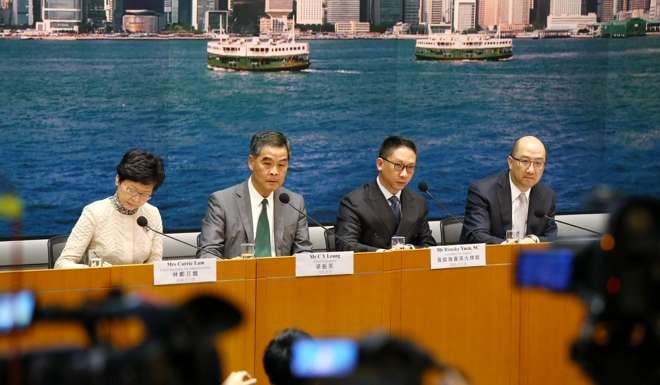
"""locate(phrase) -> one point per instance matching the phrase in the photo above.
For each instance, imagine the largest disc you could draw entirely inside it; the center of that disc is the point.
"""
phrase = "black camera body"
(178, 347)
(618, 279)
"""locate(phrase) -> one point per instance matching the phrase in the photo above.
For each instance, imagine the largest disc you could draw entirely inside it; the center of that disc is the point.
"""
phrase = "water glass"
(247, 250)
(95, 261)
(513, 236)
(398, 242)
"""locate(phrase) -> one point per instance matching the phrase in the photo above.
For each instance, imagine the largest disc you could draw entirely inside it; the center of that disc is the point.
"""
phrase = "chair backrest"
(451, 228)
(55, 247)
(329, 235)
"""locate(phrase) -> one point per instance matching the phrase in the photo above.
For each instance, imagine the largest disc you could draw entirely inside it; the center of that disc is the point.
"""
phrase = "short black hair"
(269, 138)
(277, 357)
(391, 143)
(141, 166)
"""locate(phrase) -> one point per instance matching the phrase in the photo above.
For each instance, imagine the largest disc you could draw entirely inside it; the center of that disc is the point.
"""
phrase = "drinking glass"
(247, 250)
(398, 242)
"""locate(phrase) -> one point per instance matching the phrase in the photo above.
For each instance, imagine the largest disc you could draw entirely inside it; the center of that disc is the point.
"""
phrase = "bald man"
(509, 200)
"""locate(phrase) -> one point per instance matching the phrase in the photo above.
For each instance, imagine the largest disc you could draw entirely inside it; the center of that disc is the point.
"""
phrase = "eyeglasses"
(134, 193)
(398, 167)
(524, 162)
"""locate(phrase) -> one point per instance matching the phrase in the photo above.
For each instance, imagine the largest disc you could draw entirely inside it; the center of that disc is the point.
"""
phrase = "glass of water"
(512, 236)
(398, 242)
(247, 250)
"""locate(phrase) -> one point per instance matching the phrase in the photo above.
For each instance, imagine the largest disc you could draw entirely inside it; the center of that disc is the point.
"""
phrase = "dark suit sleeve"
(550, 230)
(301, 241)
(348, 228)
(212, 237)
(423, 236)
(476, 224)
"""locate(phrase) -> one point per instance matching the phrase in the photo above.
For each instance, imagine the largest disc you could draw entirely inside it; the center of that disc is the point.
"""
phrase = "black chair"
(55, 247)
(329, 236)
(450, 230)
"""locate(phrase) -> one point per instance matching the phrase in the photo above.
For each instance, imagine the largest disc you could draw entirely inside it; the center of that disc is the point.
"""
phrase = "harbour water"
(70, 109)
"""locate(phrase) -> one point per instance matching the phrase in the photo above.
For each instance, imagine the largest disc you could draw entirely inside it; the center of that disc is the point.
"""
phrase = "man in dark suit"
(371, 214)
(251, 212)
(509, 200)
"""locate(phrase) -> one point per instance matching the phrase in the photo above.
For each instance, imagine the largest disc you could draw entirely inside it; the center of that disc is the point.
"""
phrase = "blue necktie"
(396, 210)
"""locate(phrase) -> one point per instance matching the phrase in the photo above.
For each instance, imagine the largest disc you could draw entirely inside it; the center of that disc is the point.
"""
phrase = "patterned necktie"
(521, 214)
(396, 210)
(262, 239)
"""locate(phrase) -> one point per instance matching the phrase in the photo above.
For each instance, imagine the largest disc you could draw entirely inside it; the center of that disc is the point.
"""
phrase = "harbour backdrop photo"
(70, 109)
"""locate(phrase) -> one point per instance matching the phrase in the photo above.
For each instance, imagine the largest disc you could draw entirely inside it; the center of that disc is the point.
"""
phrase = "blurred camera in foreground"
(373, 360)
(177, 348)
(618, 278)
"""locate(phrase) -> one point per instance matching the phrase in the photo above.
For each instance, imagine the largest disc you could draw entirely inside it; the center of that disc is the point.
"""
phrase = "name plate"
(328, 263)
(448, 257)
(185, 271)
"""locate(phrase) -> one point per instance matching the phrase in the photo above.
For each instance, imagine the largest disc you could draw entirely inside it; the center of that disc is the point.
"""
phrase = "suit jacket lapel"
(407, 210)
(278, 231)
(381, 209)
(504, 200)
(245, 210)
(531, 218)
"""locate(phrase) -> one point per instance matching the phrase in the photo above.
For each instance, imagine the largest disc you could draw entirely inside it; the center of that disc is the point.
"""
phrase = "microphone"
(143, 222)
(423, 187)
(284, 198)
(541, 214)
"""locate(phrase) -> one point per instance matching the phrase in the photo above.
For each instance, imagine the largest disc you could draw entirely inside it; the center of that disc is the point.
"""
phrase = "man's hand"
(239, 378)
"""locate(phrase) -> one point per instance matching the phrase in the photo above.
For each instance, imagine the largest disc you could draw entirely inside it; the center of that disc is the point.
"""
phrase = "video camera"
(373, 360)
(618, 278)
(178, 346)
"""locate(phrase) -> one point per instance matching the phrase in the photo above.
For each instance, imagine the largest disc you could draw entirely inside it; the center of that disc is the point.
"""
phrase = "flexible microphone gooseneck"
(541, 214)
(284, 198)
(143, 222)
(423, 187)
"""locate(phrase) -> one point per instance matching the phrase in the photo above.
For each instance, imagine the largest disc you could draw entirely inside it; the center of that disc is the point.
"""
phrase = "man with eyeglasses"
(509, 200)
(251, 212)
(370, 215)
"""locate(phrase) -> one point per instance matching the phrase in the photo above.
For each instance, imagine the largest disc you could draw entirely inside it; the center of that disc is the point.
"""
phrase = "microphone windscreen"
(142, 221)
(423, 187)
(539, 213)
(284, 198)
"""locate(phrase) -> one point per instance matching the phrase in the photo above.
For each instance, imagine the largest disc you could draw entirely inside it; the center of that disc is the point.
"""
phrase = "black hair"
(391, 143)
(141, 166)
(277, 357)
(269, 138)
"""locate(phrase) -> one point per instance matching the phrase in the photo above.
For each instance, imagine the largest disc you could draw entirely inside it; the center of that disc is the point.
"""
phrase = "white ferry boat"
(257, 53)
(456, 46)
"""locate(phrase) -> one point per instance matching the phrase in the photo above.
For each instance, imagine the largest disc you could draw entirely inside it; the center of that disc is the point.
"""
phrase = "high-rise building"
(94, 13)
(183, 11)
(20, 12)
(201, 9)
(245, 16)
(62, 15)
(639, 5)
(465, 15)
(565, 7)
(411, 11)
(654, 10)
(539, 17)
(514, 14)
(488, 14)
(606, 10)
(343, 11)
(309, 12)
(279, 8)
(387, 12)
(435, 12)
